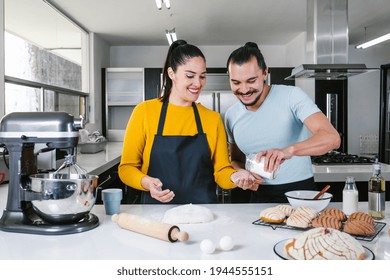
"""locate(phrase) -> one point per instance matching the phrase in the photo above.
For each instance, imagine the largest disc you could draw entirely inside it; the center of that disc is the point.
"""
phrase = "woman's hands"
(246, 180)
(154, 185)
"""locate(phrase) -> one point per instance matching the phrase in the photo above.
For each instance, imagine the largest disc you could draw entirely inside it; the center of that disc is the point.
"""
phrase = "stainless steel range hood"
(327, 43)
(328, 71)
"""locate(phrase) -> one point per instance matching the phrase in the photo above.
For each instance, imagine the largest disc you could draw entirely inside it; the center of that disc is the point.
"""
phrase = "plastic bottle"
(350, 196)
(376, 193)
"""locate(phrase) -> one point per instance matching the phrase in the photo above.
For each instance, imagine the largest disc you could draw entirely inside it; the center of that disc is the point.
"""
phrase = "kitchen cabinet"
(123, 90)
(384, 119)
(152, 77)
(331, 97)
(277, 75)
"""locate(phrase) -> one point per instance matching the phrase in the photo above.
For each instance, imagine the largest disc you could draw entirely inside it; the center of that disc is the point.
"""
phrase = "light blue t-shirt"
(277, 123)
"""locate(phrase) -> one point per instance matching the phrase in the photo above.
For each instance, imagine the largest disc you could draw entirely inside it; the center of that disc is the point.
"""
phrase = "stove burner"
(340, 158)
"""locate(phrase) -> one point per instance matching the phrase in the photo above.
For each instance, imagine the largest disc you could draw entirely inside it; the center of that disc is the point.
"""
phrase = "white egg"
(207, 246)
(226, 243)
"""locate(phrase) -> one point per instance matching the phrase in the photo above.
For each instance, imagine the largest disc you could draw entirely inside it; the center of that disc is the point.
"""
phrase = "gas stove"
(338, 158)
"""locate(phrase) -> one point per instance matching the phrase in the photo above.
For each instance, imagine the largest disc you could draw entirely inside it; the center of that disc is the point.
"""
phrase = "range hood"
(327, 43)
(328, 71)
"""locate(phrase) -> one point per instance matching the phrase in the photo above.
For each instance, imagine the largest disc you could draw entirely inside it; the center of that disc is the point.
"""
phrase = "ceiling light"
(171, 36)
(166, 2)
(374, 41)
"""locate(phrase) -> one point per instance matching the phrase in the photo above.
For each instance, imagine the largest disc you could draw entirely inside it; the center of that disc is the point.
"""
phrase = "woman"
(174, 149)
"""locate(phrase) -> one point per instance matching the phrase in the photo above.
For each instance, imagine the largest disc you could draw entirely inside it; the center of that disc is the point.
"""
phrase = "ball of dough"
(226, 243)
(188, 214)
(207, 246)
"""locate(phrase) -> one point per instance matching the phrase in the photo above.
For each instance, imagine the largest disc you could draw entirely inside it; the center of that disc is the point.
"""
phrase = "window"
(44, 63)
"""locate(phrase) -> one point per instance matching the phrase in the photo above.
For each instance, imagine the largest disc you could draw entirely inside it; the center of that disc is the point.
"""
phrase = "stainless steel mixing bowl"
(65, 198)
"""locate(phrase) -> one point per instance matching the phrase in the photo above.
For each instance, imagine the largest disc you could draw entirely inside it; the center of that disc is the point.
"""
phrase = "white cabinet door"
(124, 90)
(207, 99)
(225, 99)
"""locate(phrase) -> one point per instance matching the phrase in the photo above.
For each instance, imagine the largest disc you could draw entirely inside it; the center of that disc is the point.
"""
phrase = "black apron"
(183, 164)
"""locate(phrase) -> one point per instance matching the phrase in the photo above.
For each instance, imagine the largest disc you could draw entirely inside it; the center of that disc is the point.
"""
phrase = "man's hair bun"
(251, 45)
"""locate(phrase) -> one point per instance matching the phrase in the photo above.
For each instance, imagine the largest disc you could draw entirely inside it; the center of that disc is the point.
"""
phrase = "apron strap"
(197, 119)
(164, 113)
(162, 118)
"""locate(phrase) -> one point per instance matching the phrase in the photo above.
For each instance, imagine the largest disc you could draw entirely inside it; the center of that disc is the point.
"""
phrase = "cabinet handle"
(218, 102)
(213, 96)
(100, 185)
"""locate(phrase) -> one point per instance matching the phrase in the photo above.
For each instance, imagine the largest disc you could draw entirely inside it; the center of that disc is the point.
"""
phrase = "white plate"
(280, 252)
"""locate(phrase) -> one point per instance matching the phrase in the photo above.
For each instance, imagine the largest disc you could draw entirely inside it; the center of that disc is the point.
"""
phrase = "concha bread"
(361, 216)
(307, 211)
(299, 220)
(326, 221)
(286, 209)
(324, 244)
(335, 213)
(272, 215)
(357, 227)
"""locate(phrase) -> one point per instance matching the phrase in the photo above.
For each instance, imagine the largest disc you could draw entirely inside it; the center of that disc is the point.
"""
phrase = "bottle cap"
(350, 179)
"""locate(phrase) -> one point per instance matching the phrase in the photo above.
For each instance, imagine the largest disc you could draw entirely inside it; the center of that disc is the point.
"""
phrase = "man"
(278, 122)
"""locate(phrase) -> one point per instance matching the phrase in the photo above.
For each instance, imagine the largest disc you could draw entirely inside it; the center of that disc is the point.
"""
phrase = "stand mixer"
(47, 203)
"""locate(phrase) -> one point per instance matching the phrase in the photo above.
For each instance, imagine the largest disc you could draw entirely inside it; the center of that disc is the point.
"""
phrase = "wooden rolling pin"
(150, 228)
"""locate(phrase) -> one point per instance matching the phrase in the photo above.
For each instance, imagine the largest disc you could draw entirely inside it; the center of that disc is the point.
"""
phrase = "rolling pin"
(150, 228)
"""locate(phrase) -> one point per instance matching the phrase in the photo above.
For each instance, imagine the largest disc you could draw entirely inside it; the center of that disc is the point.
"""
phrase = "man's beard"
(248, 93)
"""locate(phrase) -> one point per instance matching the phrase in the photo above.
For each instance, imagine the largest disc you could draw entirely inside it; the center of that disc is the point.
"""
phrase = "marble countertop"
(99, 162)
(108, 241)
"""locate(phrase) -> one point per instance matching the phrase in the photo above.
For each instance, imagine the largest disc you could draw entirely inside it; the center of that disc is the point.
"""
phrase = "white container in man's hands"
(258, 167)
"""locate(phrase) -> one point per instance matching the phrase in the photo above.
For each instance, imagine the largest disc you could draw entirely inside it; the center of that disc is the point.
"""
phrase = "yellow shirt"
(180, 120)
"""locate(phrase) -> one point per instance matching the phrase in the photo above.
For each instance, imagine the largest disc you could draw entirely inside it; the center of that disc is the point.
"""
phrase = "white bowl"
(305, 198)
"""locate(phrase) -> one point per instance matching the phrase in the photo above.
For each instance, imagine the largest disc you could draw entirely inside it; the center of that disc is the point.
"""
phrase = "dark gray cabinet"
(110, 179)
(152, 81)
(384, 118)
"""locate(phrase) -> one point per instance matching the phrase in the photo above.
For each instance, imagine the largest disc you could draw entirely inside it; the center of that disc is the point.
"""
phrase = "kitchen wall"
(99, 58)
(216, 56)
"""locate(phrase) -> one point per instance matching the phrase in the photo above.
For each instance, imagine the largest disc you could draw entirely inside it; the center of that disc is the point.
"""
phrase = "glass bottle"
(350, 196)
(376, 193)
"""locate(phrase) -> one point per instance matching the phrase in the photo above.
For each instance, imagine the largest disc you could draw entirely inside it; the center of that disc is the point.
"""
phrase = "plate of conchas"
(322, 244)
(359, 224)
